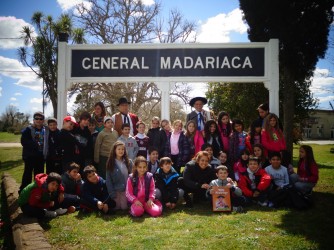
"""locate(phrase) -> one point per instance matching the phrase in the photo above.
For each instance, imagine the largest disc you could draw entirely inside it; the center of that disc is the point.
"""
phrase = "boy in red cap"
(69, 145)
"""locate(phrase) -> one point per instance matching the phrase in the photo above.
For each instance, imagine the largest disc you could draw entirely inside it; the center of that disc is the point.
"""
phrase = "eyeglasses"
(38, 118)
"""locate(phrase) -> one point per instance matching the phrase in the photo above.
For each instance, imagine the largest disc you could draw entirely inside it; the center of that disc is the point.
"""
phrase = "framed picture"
(221, 199)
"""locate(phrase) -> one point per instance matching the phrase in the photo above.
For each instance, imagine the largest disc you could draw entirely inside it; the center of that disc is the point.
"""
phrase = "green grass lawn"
(199, 228)
(9, 137)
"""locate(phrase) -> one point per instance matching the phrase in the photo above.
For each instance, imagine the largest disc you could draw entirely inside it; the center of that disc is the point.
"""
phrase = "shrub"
(11, 130)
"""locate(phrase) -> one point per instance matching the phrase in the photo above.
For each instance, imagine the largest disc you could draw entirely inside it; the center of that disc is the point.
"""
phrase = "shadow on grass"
(6, 165)
(315, 224)
(320, 166)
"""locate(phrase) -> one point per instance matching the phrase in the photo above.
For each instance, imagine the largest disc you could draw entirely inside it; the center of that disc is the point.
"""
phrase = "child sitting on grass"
(279, 174)
(255, 183)
(166, 183)
(95, 196)
(72, 182)
(140, 190)
(214, 162)
(240, 166)
(237, 199)
(307, 173)
(42, 197)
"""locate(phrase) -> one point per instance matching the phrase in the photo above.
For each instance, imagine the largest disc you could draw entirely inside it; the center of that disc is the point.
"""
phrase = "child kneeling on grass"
(237, 199)
(72, 182)
(140, 190)
(95, 196)
(42, 197)
(255, 183)
(167, 190)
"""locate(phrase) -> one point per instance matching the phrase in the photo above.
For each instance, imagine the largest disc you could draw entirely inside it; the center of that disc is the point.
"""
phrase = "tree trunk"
(289, 112)
(54, 102)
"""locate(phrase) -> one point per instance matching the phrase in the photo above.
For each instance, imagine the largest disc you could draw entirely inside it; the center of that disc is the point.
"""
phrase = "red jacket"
(309, 176)
(262, 181)
(37, 194)
(271, 144)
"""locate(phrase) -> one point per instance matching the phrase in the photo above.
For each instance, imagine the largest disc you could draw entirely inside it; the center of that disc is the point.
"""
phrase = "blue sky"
(218, 21)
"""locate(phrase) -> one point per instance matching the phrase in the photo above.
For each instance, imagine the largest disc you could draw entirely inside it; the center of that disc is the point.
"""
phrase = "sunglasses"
(38, 118)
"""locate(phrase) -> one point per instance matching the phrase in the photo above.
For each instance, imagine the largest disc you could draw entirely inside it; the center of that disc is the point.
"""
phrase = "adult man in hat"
(124, 116)
(199, 115)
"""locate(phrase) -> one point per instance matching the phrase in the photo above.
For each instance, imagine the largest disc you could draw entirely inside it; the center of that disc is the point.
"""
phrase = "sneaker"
(263, 204)
(71, 209)
(61, 211)
(238, 209)
(50, 214)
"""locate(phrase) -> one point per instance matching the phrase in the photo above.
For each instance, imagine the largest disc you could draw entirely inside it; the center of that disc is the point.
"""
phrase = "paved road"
(10, 144)
(318, 142)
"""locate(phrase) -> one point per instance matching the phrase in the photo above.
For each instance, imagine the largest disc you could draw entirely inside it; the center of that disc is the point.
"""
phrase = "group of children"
(105, 171)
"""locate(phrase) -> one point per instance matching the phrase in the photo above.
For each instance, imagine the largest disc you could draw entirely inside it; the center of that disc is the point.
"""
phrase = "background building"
(320, 125)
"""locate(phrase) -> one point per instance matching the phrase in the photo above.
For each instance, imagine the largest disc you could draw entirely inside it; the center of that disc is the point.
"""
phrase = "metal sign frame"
(270, 77)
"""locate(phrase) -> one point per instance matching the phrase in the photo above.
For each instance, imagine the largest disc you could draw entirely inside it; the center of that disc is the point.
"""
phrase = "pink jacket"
(141, 190)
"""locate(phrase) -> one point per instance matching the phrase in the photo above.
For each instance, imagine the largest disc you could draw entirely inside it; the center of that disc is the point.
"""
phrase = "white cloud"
(66, 5)
(326, 99)
(322, 82)
(147, 2)
(10, 27)
(23, 75)
(219, 28)
(13, 99)
(36, 100)
(323, 87)
(15, 104)
(17, 94)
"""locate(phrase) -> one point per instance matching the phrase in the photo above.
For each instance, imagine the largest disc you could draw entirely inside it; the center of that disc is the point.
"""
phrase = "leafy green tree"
(302, 28)
(12, 120)
(240, 100)
(44, 41)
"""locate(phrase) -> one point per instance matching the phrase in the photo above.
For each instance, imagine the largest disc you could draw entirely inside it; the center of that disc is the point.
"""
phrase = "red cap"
(70, 118)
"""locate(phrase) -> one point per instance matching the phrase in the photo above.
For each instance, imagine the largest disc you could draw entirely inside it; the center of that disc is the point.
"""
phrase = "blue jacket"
(70, 185)
(167, 184)
(115, 181)
(92, 193)
(184, 150)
